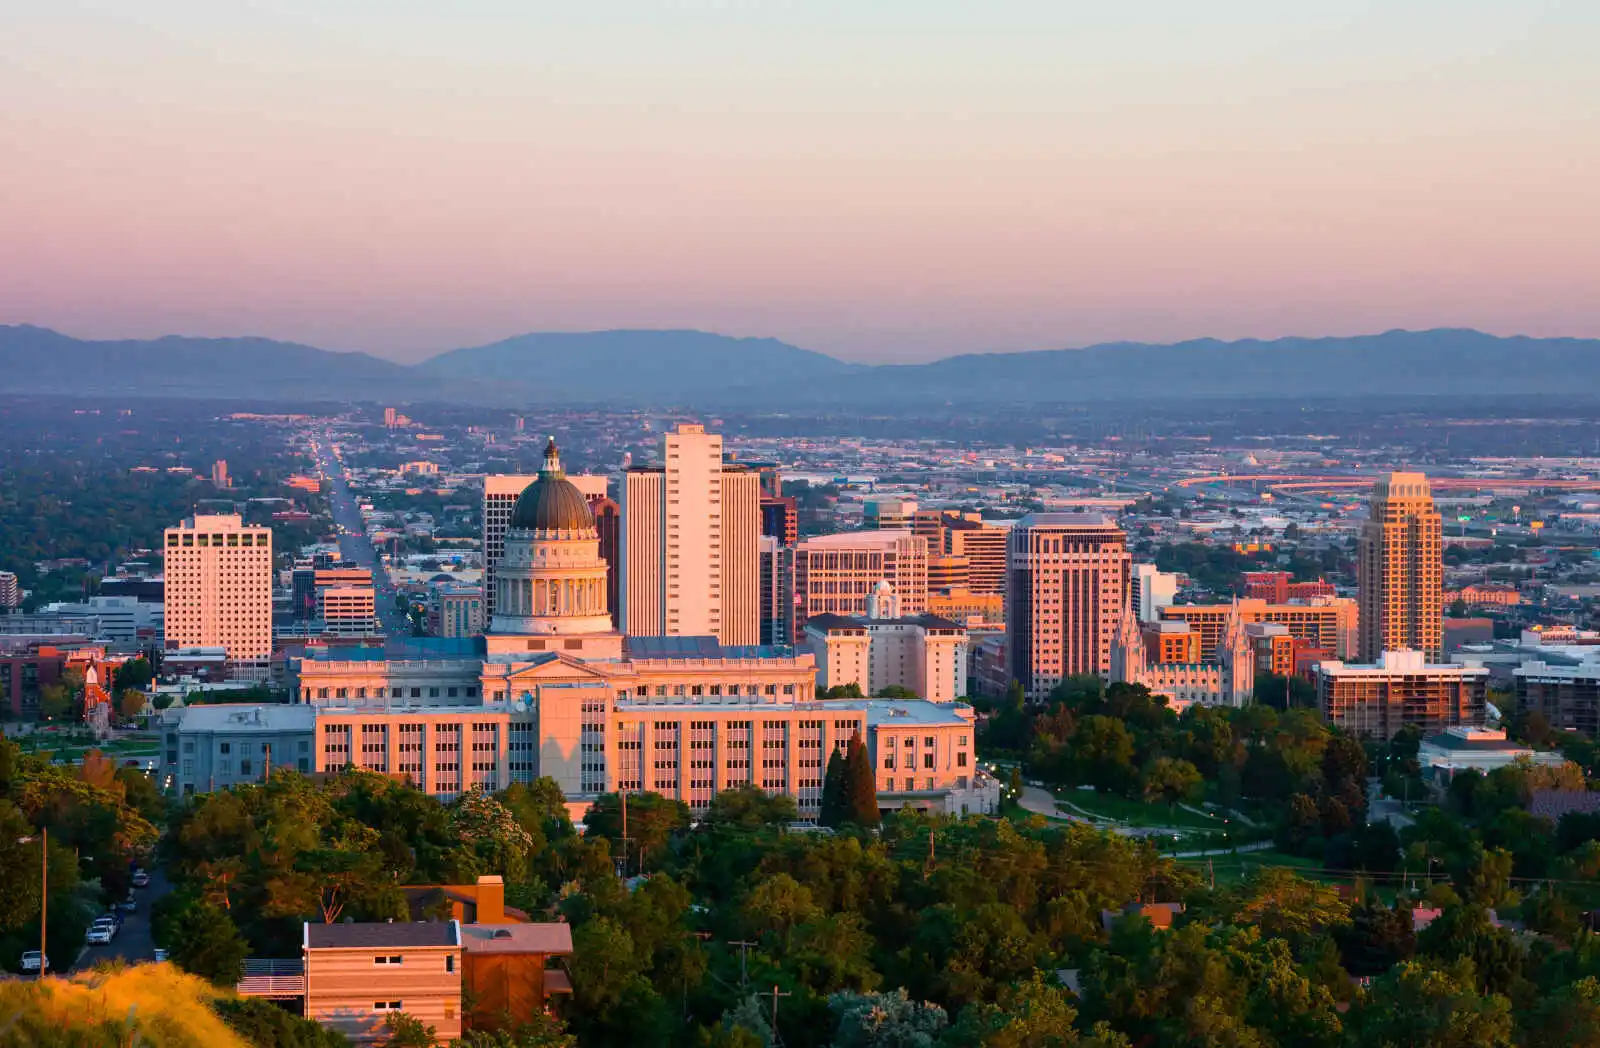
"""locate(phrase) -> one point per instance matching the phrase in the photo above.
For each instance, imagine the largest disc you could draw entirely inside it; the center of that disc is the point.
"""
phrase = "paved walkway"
(1041, 802)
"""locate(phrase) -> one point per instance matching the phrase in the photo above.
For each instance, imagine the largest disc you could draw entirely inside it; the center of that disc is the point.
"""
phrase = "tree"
(1031, 1014)
(130, 703)
(134, 674)
(1171, 781)
(777, 904)
(842, 691)
(652, 820)
(545, 1031)
(896, 691)
(748, 1017)
(55, 701)
(265, 1025)
(202, 939)
(886, 1020)
(1569, 1017)
(1285, 905)
(832, 809)
(1376, 939)
(1418, 1006)
(860, 785)
(604, 963)
(407, 1031)
(748, 806)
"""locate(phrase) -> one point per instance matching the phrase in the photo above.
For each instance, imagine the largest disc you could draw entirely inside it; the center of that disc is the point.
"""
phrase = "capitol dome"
(552, 503)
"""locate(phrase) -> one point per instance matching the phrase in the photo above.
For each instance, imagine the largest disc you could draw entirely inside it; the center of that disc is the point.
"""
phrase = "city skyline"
(894, 185)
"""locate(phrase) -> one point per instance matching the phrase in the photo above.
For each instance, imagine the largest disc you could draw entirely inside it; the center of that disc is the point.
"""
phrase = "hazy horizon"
(426, 353)
(893, 183)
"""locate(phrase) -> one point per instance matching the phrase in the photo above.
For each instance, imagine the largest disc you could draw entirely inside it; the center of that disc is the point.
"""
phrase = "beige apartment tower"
(1400, 570)
(219, 586)
(1067, 589)
(689, 544)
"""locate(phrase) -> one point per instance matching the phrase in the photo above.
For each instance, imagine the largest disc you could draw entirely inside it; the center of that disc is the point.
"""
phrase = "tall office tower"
(1152, 590)
(777, 591)
(219, 474)
(1400, 570)
(948, 573)
(929, 524)
(771, 478)
(521, 422)
(10, 592)
(835, 574)
(984, 546)
(389, 417)
(219, 586)
(1067, 591)
(780, 518)
(889, 514)
(500, 493)
(689, 536)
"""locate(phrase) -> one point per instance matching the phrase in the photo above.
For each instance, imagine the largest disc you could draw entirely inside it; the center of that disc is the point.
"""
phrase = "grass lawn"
(1133, 813)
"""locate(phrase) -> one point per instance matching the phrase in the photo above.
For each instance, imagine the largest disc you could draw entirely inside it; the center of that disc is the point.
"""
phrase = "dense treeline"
(99, 819)
(930, 931)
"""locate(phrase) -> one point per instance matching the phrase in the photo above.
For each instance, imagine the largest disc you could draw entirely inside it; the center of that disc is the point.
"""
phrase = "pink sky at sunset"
(886, 181)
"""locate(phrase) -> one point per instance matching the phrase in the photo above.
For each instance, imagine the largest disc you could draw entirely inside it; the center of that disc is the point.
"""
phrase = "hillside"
(638, 366)
(39, 361)
(149, 1004)
(699, 369)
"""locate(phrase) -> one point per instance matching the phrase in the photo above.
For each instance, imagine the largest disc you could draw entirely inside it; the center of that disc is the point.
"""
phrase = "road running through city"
(354, 545)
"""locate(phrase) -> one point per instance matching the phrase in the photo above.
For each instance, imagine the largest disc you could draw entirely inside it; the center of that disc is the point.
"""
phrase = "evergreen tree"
(833, 791)
(860, 801)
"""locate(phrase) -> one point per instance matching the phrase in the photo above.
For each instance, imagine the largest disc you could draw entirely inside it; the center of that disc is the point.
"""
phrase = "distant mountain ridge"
(700, 369)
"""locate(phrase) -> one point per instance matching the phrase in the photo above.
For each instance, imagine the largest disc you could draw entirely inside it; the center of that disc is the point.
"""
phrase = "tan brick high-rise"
(1068, 587)
(1400, 570)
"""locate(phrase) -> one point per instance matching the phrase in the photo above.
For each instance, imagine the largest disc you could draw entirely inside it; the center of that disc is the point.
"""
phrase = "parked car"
(161, 955)
(31, 961)
(100, 933)
(141, 879)
(128, 905)
(113, 915)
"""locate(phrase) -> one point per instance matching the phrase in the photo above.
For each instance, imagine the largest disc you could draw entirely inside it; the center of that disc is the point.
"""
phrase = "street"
(354, 545)
(133, 943)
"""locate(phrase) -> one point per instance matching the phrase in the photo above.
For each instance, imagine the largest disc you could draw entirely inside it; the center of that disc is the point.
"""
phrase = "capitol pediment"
(554, 668)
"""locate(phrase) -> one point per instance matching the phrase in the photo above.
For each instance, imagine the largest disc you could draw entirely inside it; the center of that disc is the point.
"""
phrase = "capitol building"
(554, 690)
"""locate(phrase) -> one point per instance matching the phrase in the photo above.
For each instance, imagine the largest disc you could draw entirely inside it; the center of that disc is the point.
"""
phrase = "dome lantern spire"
(552, 460)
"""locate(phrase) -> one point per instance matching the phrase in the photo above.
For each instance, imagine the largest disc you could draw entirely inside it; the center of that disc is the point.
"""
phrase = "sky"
(882, 180)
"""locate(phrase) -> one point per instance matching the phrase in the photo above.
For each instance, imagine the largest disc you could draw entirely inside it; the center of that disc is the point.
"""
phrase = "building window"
(391, 959)
(450, 963)
(388, 1006)
(226, 747)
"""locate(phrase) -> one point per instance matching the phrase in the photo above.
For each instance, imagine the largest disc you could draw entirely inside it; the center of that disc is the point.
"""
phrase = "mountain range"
(699, 369)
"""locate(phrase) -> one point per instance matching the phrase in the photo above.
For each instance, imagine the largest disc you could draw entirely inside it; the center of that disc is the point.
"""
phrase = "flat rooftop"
(517, 938)
(381, 936)
(248, 716)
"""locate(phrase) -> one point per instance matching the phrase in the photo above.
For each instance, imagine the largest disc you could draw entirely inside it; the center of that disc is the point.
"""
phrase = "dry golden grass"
(154, 1005)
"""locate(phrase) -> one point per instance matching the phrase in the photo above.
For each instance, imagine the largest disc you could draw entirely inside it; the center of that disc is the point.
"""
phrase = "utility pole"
(744, 960)
(623, 794)
(44, 895)
(266, 762)
(775, 996)
(927, 870)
